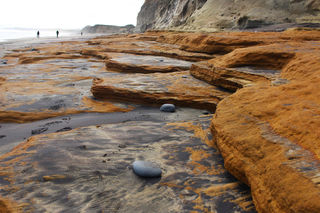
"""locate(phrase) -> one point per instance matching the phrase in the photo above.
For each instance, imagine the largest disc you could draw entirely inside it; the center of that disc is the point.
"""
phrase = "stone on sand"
(168, 108)
(146, 169)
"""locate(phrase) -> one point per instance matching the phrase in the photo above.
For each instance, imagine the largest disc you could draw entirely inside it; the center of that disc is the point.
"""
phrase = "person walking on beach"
(57, 33)
(38, 34)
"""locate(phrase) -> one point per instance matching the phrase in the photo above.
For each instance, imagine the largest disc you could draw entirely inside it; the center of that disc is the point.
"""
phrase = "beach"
(68, 150)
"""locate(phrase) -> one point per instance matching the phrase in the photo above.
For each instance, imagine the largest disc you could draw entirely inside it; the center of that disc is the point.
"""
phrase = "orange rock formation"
(267, 132)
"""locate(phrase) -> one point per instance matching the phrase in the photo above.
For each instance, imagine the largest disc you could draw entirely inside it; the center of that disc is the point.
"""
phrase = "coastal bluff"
(217, 15)
(108, 29)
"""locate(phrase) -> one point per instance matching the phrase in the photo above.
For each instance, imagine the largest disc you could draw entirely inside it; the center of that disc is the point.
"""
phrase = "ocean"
(7, 34)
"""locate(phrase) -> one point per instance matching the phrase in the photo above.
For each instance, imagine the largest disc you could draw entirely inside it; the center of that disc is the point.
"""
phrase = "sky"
(67, 14)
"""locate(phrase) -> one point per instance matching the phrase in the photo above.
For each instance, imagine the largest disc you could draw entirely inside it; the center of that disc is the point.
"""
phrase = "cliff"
(215, 15)
(106, 29)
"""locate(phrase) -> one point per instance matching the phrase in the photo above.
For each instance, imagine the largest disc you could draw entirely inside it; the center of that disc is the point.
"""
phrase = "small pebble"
(168, 108)
(122, 146)
(83, 147)
(146, 169)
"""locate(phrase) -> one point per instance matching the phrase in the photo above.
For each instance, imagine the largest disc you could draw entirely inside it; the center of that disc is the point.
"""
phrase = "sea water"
(7, 34)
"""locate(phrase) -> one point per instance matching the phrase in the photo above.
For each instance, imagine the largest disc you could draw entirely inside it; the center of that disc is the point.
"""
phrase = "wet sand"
(81, 161)
(12, 134)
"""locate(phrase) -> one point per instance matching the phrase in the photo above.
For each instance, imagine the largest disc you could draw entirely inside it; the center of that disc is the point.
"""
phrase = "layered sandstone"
(178, 88)
(215, 15)
(268, 133)
(55, 79)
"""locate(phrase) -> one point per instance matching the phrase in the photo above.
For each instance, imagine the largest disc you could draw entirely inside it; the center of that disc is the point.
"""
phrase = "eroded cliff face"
(166, 13)
(215, 15)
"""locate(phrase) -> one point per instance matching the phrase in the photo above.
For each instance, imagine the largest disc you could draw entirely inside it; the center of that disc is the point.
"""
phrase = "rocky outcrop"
(214, 15)
(267, 130)
(108, 29)
(178, 88)
(267, 133)
(165, 13)
(130, 63)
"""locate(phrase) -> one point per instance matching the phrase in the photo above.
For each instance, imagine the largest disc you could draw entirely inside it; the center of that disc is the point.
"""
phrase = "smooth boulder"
(146, 169)
(168, 108)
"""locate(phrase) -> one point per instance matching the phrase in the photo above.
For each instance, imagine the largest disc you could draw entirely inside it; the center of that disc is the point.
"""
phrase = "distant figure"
(81, 33)
(38, 34)
(57, 33)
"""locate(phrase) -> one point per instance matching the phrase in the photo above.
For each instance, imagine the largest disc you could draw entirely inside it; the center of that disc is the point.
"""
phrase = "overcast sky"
(68, 14)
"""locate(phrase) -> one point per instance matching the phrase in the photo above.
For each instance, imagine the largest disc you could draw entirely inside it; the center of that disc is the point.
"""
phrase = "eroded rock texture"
(178, 88)
(268, 132)
(41, 81)
(212, 15)
(161, 14)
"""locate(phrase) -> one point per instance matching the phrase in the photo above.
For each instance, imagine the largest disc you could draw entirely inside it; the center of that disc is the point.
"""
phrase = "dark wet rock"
(39, 130)
(53, 123)
(64, 129)
(122, 146)
(168, 108)
(83, 147)
(146, 169)
(3, 61)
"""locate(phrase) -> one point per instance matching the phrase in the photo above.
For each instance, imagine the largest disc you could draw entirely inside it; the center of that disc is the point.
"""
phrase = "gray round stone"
(168, 108)
(146, 169)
